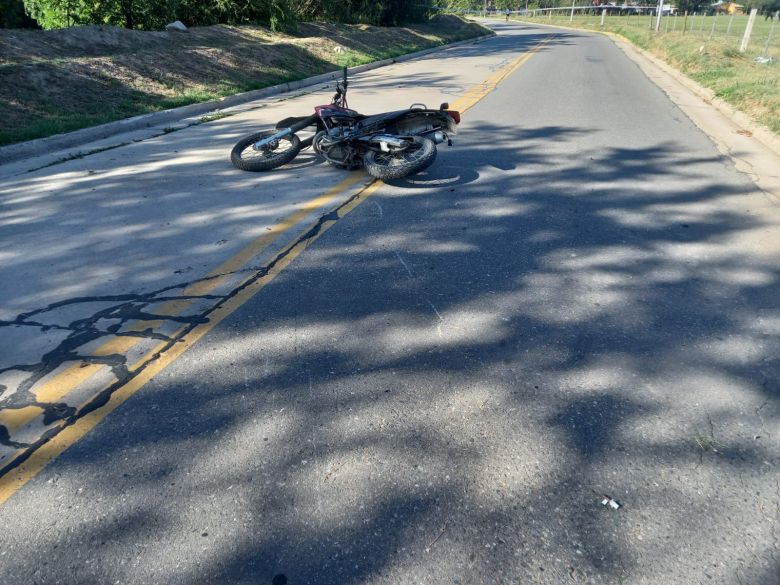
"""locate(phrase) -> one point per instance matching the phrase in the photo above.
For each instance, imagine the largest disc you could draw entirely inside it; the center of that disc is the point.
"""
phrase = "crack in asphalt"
(131, 308)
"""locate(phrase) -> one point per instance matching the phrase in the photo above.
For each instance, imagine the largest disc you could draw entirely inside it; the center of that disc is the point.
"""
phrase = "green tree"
(692, 6)
(154, 14)
(12, 15)
(769, 7)
(55, 13)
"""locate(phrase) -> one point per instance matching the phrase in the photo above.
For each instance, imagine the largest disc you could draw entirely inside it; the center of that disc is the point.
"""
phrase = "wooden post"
(771, 33)
(748, 31)
(728, 28)
(714, 22)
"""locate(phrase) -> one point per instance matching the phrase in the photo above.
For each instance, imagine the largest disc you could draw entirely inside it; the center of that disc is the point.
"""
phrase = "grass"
(214, 117)
(47, 89)
(706, 443)
(708, 53)
(57, 123)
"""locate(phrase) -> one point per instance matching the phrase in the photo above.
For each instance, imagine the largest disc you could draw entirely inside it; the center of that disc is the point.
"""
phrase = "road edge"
(762, 133)
(754, 148)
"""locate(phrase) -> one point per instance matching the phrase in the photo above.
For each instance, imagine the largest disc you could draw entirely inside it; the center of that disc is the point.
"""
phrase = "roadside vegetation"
(155, 14)
(62, 80)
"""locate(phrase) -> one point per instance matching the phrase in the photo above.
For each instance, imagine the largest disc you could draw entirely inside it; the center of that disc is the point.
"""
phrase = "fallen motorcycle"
(389, 145)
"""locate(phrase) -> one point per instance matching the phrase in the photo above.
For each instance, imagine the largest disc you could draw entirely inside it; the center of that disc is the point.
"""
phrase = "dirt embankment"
(61, 80)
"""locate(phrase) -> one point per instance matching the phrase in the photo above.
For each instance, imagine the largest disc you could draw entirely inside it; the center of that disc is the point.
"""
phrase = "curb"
(22, 150)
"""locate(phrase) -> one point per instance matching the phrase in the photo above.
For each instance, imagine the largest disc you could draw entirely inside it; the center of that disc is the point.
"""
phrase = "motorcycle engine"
(335, 151)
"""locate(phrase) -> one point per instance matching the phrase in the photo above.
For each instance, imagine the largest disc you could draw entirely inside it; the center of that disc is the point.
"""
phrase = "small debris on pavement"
(608, 501)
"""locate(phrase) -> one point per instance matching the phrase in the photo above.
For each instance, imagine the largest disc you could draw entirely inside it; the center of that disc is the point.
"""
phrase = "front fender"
(292, 121)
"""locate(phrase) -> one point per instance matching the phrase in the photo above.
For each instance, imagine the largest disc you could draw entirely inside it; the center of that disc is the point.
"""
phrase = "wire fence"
(762, 41)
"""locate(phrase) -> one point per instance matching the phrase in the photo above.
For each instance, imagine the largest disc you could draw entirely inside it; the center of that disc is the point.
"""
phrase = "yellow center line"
(478, 92)
(12, 481)
(76, 374)
(72, 376)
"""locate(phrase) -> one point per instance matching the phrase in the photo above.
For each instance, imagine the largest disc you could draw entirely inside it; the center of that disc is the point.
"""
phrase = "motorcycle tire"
(246, 158)
(387, 166)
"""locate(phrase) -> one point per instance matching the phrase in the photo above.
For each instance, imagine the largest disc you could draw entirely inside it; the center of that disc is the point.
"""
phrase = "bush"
(278, 14)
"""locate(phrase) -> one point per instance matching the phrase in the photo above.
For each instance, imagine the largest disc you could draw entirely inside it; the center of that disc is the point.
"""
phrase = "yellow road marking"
(479, 91)
(14, 418)
(74, 375)
(17, 477)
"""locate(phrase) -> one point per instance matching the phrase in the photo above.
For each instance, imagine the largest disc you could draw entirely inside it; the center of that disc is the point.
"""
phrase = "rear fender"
(420, 121)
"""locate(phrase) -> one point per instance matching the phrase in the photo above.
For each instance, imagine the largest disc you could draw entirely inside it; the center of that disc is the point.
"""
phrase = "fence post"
(685, 22)
(714, 23)
(748, 31)
(674, 21)
(728, 28)
(660, 11)
(701, 24)
(571, 18)
(771, 33)
(603, 16)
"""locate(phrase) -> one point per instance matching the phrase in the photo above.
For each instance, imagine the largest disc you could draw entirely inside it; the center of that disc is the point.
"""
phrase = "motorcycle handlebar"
(341, 90)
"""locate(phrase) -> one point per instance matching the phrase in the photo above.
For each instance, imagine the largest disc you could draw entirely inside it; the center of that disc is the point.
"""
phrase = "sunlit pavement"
(578, 300)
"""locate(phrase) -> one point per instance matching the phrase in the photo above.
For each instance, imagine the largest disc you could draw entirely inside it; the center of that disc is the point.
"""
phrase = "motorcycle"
(390, 145)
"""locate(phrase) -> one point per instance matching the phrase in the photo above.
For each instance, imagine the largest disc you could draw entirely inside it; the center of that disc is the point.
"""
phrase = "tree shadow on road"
(446, 384)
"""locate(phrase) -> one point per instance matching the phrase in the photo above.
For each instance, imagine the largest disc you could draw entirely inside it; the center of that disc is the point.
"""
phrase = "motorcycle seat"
(382, 118)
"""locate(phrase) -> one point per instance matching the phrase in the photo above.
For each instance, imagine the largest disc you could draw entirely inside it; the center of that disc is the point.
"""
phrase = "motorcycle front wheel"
(394, 165)
(278, 153)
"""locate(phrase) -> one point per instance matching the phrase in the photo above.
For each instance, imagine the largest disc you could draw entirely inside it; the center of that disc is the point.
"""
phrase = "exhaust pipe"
(388, 140)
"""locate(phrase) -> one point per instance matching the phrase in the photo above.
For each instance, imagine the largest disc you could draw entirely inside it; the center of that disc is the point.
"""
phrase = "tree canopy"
(154, 14)
(12, 15)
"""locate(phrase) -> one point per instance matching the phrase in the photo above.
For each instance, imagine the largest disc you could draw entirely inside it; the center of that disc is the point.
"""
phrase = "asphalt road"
(578, 300)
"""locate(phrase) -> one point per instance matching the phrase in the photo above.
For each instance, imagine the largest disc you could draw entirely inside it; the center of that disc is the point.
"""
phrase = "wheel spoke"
(274, 149)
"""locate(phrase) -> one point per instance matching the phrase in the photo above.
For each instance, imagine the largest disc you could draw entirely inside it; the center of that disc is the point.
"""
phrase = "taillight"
(454, 115)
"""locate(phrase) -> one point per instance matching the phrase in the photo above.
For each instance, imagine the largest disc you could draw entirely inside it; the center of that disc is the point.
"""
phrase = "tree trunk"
(127, 13)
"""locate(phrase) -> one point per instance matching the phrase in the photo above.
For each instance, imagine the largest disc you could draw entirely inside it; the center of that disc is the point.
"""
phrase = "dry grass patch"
(61, 80)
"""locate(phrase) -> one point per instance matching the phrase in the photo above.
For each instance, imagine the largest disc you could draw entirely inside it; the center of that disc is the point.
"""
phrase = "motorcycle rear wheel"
(245, 157)
(394, 165)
